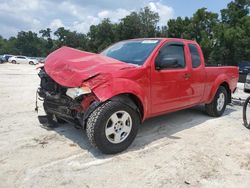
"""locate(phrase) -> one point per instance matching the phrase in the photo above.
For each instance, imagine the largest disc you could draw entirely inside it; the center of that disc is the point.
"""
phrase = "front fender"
(216, 84)
(118, 86)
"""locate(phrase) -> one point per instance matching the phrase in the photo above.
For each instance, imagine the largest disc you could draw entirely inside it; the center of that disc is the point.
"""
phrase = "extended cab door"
(170, 78)
(198, 73)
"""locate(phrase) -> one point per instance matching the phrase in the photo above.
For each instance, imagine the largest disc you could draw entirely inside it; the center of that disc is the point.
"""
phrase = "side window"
(172, 53)
(196, 60)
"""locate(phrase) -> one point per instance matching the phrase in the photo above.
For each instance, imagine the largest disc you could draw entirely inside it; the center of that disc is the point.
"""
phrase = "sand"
(182, 149)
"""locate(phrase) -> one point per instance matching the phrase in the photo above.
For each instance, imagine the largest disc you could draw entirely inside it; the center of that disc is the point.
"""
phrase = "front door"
(170, 85)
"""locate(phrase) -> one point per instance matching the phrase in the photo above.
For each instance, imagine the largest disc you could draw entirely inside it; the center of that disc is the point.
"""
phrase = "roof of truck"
(159, 38)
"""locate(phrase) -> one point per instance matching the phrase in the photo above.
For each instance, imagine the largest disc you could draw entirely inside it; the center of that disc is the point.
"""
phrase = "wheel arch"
(124, 89)
(131, 100)
(220, 81)
(226, 86)
(128, 99)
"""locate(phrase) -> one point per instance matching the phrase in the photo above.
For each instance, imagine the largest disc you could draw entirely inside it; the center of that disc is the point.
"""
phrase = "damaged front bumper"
(63, 108)
(69, 104)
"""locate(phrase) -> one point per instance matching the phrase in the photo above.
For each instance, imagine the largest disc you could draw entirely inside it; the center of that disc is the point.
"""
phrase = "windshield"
(131, 51)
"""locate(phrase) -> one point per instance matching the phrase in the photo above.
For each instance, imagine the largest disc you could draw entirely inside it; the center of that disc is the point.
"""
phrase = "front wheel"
(217, 107)
(246, 113)
(112, 127)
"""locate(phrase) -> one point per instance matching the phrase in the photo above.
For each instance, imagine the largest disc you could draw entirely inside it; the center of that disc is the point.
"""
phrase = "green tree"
(224, 41)
(130, 27)
(73, 39)
(149, 20)
(62, 35)
(46, 34)
(203, 24)
(233, 34)
(200, 27)
(101, 35)
(139, 25)
(28, 43)
(2, 45)
(179, 28)
(235, 11)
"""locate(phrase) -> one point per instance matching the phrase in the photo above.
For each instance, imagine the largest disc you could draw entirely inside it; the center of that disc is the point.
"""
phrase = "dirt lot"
(183, 149)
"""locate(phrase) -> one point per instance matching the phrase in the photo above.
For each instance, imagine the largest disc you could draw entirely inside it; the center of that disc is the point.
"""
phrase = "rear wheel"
(217, 107)
(112, 127)
(31, 63)
(246, 113)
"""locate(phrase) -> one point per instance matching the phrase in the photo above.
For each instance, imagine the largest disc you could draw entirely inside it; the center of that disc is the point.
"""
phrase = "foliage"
(224, 38)
(233, 34)
(101, 35)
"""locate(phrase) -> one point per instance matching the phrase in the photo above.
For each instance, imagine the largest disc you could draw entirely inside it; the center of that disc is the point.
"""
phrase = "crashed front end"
(73, 83)
(72, 105)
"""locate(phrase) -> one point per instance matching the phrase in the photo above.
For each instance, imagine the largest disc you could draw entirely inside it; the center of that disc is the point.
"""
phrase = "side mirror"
(167, 63)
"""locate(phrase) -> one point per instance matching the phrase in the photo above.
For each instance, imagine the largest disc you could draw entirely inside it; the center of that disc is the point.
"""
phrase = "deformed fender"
(90, 109)
(118, 86)
(216, 84)
(123, 99)
(126, 100)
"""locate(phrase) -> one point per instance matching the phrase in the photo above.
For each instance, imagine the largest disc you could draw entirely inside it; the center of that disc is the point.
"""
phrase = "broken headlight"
(77, 91)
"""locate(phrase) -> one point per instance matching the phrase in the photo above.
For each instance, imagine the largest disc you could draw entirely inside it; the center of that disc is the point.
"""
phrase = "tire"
(13, 61)
(101, 118)
(246, 116)
(216, 108)
(31, 63)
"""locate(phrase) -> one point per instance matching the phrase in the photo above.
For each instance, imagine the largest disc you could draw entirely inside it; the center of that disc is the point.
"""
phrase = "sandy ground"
(182, 149)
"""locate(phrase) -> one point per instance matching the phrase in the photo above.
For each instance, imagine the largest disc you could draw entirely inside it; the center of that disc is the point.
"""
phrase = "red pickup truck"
(110, 94)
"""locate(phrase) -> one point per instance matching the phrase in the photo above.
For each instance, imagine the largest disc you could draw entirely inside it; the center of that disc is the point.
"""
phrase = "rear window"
(196, 60)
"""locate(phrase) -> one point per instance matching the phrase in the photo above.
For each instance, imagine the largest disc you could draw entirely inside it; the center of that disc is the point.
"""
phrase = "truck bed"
(227, 73)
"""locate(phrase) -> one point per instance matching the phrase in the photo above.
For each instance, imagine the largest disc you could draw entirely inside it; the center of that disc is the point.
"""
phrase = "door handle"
(187, 76)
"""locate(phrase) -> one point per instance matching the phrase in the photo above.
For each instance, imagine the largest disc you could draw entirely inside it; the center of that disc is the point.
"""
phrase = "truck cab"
(177, 76)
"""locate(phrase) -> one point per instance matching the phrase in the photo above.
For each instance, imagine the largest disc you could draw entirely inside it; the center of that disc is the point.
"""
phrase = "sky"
(78, 15)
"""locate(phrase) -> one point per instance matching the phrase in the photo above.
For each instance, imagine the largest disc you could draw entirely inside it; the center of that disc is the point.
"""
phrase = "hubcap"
(220, 102)
(118, 127)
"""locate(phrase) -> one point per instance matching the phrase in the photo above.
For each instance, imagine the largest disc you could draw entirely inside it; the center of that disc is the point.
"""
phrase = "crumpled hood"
(70, 67)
